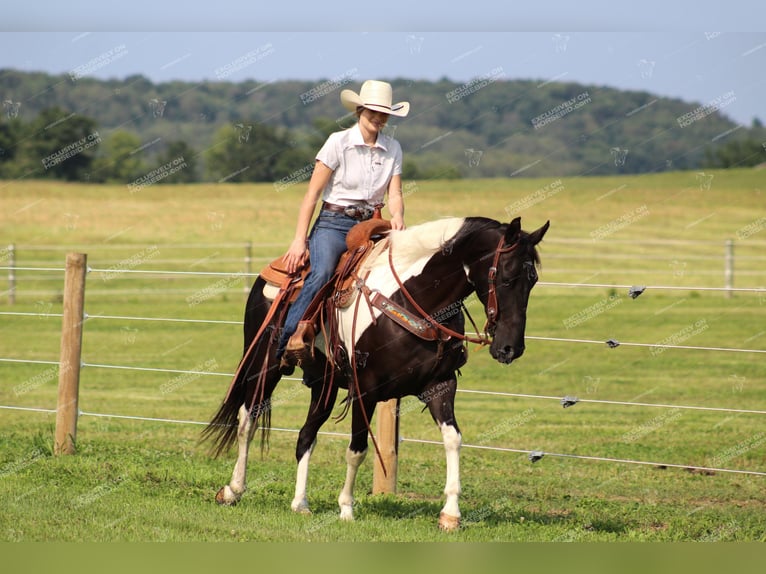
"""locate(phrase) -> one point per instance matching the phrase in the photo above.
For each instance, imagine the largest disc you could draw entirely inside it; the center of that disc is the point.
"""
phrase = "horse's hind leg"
(319, 411)
(231, 493)
(441, 403)
(354, 460)
(355, 455)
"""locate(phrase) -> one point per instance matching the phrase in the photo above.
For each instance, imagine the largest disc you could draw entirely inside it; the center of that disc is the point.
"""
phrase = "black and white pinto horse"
(433, 266)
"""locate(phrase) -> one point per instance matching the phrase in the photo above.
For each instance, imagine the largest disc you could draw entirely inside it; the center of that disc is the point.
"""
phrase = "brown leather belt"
(359, 212)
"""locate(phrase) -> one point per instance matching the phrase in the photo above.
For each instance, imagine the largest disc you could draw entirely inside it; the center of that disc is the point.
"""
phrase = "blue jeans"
(327, 242)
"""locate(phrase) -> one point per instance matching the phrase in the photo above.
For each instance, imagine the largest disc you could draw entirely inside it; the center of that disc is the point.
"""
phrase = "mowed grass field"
(140, 473)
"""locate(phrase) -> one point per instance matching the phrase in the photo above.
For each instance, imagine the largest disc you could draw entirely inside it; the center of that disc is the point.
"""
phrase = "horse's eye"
(531, 272)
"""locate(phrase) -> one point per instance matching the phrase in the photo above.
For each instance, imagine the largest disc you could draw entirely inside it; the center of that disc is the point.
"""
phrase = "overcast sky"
(700, 53)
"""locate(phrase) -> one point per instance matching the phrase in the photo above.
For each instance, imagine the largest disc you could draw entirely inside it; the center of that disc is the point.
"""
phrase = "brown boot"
(285, 367)
(300, 346)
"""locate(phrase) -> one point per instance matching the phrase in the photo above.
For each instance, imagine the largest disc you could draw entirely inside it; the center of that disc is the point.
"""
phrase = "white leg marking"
(300, 503)
(232, 492)
(450, 514)
(346, 498)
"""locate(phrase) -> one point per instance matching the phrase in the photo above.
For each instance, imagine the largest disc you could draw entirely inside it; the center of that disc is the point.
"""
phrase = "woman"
(355, 169)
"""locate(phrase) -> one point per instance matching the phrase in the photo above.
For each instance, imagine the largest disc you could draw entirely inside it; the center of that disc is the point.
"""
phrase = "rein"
(285, 290)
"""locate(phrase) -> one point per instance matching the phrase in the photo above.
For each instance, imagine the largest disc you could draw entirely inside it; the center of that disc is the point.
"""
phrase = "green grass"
(138, 480)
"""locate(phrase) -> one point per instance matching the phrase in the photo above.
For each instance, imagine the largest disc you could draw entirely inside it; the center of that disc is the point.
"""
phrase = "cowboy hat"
(376, 96)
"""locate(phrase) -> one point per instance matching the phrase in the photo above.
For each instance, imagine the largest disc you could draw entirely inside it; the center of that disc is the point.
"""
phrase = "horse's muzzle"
(507, 354)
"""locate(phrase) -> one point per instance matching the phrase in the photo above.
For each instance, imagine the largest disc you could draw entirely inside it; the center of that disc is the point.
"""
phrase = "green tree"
(62, 145)
(11, 133)
(120, 160)
(737, 153)
(182, 161)
(247, 152)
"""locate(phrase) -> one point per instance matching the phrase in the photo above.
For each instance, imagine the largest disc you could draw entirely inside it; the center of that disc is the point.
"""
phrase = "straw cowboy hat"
(376, 96)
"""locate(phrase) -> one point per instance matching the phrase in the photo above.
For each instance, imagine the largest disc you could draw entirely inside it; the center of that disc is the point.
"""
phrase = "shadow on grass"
(398, 507)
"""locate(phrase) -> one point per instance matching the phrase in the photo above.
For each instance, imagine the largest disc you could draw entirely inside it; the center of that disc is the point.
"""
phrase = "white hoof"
(346, 513)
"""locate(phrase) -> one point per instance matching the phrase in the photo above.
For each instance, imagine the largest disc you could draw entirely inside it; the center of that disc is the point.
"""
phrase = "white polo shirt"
(361, 173)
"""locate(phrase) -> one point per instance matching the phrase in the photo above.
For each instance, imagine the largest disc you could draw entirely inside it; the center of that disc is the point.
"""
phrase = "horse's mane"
(476, 224)
(422, 241)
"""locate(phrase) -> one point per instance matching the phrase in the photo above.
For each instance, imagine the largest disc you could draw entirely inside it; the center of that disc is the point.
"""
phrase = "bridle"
(492, 283)
(491, 307)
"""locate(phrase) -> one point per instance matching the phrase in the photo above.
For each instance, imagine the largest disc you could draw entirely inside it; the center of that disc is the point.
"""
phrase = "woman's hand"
(397, 221)
(296, 255)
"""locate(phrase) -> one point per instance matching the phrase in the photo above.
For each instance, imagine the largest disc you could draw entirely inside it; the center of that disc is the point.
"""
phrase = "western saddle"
(364, 239)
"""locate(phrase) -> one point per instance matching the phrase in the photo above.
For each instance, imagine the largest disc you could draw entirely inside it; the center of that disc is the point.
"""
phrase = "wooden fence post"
(388, 443)
(70, 358)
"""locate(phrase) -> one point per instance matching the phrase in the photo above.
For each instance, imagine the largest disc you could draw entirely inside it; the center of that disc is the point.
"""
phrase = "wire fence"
(127, 268)
(671, 264)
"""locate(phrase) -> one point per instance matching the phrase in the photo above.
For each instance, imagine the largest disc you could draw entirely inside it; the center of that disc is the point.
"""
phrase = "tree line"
(135, 132)
(59, 144)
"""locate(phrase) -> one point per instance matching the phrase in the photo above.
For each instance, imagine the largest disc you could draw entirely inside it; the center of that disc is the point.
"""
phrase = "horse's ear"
(537, 236)
(513, 232)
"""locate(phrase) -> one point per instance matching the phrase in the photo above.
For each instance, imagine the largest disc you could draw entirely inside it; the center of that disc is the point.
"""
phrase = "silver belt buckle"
(360, 212)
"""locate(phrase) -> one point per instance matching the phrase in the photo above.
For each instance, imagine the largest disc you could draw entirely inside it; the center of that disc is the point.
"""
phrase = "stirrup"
(300, 346)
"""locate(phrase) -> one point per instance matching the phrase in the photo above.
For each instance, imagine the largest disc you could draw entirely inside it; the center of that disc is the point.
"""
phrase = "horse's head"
(510, 279)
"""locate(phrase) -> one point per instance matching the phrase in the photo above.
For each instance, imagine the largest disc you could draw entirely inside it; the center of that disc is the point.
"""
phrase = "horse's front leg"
(232, 492)
(355, 455)
(440, 398)
(449, 517)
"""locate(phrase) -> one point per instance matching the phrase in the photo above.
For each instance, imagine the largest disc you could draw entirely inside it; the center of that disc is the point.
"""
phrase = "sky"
(666, 49)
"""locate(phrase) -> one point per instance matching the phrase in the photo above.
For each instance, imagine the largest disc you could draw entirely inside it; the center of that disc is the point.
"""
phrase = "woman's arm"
(396, 202)
(297, 252)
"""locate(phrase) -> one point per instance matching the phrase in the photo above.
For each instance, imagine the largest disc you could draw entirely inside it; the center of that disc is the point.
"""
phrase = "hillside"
(488, 127)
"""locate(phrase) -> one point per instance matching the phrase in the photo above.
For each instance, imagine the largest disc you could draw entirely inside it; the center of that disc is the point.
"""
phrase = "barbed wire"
(568, 401)
(653, 287)
(538, 454)
(612, 343)
(118, 271)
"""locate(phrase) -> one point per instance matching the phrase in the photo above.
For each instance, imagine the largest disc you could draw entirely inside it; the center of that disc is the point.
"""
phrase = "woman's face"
(372, 120)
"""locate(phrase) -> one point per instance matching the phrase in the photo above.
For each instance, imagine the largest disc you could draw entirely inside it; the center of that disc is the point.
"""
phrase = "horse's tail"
(255, 378)
(222, 429)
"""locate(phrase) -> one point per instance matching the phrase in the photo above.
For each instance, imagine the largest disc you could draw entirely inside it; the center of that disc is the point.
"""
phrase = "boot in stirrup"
(300, 346)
